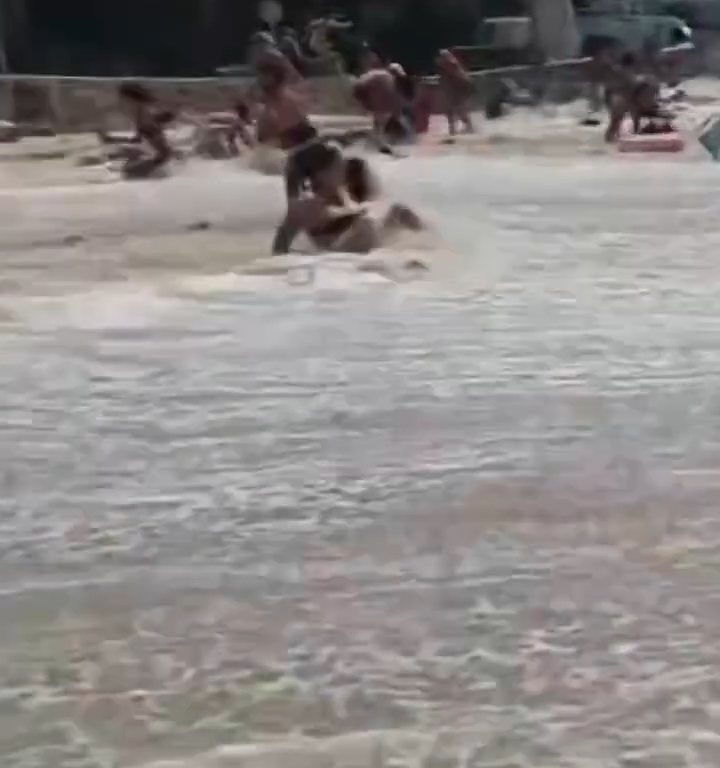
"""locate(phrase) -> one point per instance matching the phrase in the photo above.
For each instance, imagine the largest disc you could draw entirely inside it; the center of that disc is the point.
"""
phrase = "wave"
(99, 309)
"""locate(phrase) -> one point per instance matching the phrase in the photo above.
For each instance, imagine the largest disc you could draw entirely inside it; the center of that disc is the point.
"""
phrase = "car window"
(678, 36)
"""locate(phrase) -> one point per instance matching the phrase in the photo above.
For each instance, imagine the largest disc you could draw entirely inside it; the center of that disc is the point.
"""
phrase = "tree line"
(194, 37)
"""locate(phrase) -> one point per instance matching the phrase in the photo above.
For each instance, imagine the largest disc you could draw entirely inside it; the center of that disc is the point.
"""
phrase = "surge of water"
(466, 519)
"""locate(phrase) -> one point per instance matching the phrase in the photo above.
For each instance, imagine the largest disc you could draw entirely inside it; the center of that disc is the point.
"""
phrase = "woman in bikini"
(335, 216)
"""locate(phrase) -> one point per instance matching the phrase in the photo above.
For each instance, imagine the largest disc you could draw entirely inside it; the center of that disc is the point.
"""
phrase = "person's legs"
(366, 234)
(142, 168)
(618, 109)
(465, 118)
(452, 121)
(362, 237)
(402, 217)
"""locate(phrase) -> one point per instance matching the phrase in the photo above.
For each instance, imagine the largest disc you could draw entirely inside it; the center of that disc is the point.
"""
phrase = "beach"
(320, 515)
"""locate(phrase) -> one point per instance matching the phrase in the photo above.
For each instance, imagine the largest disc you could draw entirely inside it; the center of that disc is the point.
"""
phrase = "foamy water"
(327, 517)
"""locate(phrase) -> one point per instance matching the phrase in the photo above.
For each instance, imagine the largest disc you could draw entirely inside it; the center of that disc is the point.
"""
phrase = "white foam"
(356, 750)
(266, 160)
(232, 283)
(101, 308)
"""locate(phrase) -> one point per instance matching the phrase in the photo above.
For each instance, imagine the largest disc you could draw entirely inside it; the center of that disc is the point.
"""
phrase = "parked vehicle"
(632, 32)
(499, 42)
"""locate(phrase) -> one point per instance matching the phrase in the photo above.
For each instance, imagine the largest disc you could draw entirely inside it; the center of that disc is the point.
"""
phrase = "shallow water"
(462, 520)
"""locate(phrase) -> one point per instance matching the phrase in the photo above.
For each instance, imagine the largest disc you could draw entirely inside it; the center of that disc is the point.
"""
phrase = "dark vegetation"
(193, 37)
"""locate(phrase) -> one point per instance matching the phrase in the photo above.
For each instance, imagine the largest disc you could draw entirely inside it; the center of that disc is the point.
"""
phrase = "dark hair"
(136, 92)
(242, 110)
(320, 156)
(361, 183)
(628, 59)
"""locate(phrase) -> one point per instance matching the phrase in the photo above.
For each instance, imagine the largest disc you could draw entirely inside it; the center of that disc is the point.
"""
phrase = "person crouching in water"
(455, 89)
(634, 95)
(284, 122)
(150, 123)
(335, 216)
(220, 135)
(377, 92)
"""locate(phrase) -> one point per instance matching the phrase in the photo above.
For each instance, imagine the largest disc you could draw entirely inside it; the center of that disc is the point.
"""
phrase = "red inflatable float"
(651, 142)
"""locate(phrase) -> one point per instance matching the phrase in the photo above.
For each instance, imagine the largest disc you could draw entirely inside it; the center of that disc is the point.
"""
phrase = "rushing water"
(465, 520)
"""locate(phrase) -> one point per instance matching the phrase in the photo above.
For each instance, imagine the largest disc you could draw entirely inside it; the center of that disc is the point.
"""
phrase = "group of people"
(328, 192)
(401, 105)
(631, 92)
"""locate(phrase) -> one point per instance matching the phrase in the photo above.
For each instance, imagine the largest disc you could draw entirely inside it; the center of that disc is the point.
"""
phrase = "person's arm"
(347, 207)
(341, 211)
(378, 134)
(618, 108)
(288, 230)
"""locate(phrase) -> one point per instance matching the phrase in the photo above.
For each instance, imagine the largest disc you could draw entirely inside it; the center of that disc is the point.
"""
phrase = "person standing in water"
(150, 124)
(629, 93)
(455, 89)
(335, 216)
(406, 87)
(377, 92)
(284, 122)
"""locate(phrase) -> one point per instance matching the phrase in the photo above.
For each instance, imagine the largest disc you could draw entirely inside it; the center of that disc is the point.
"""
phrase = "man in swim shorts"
(377, 92)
